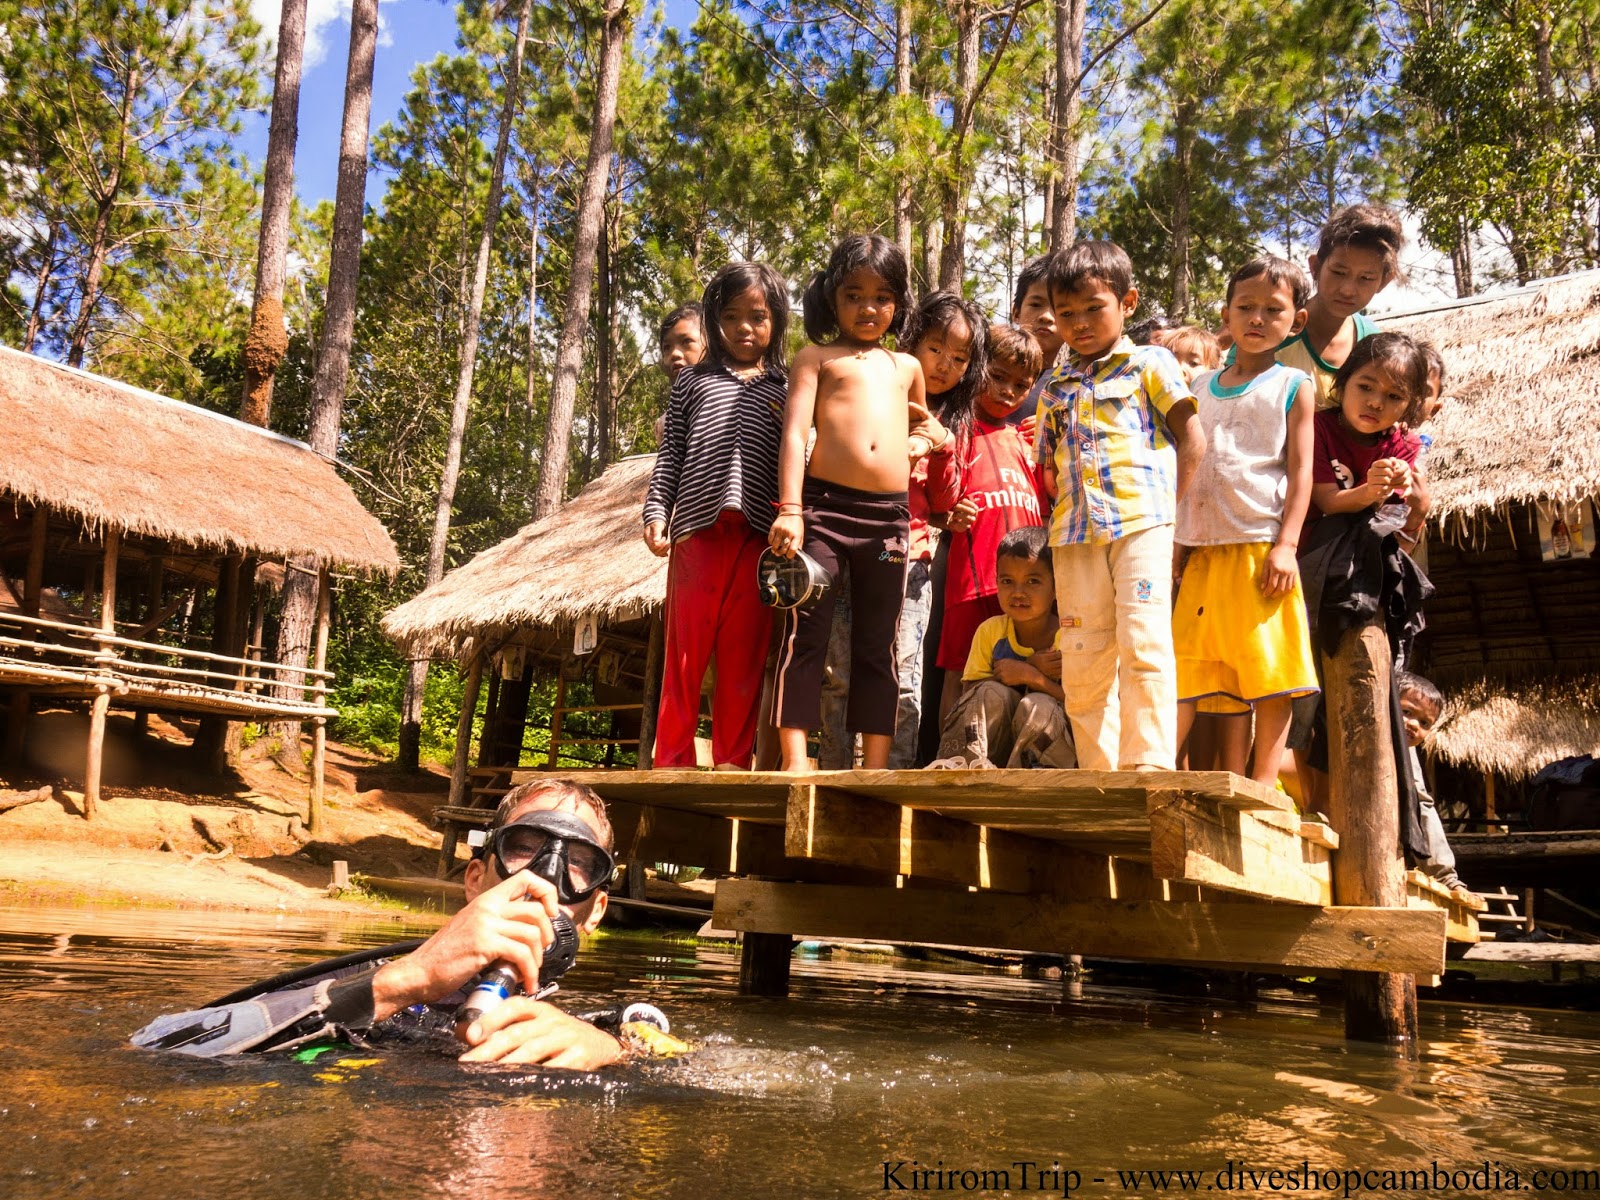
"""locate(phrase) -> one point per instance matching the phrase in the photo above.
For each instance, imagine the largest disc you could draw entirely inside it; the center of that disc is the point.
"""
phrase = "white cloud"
(323, 18)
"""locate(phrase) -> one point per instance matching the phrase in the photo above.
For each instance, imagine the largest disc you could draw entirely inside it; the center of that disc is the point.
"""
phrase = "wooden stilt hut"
(124, 513)
(1512, 636)
(515, 613)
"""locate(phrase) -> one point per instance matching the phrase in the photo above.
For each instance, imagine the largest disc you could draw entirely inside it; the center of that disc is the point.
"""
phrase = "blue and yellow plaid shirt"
(1103, 427)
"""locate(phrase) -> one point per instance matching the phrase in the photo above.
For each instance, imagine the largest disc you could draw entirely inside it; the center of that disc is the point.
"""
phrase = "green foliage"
(1503, 99)
(116, 152)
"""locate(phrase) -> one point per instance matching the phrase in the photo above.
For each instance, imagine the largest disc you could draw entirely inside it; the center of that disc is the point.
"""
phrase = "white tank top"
(1238, 491)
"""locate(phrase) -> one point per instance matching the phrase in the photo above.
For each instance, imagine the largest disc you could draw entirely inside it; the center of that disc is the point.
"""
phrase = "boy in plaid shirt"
(1118, 442)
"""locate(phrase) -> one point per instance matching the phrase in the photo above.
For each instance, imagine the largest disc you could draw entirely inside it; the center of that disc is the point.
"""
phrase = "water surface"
(869, 1073)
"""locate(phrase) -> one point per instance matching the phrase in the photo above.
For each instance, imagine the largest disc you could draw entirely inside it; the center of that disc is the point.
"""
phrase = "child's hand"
(1030, 423)
(1388, 475)
(962, 516)
(787, 533)
(1013, 672)
(1180, 559)
(655, 537)
(1280, 572)
(1047, 663)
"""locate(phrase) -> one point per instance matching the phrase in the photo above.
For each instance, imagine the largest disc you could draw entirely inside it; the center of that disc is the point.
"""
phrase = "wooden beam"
(1461, 918)
(32, 584)
(1244, 935)
(94, 760)
(316, 817)
(655, 659)
(836, 826)
(1236, 850)
(469, 711)
(1363, 806)
(647, 834)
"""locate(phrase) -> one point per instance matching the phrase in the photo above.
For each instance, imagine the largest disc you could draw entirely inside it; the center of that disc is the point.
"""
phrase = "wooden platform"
(1193, 867)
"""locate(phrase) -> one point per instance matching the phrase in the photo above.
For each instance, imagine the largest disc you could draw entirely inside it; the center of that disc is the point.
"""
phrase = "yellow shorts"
(1235, 647)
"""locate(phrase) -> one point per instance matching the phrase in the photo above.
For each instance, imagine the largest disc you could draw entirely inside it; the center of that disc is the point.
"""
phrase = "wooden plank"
(1461, 917)
(1230, 850)
(1257, 936)
(1533, 952)
(840, 827)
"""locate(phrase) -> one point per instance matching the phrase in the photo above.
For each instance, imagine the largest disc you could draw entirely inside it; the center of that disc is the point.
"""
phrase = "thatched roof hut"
(586, 558)
(143, 510)
(113, 455)
(513, 611)
(1512, 638)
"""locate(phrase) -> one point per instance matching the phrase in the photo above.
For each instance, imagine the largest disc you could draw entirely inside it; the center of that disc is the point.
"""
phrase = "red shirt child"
(990, 485)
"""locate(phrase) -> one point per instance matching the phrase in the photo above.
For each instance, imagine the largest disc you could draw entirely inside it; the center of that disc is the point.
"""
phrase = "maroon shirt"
(1340, 455)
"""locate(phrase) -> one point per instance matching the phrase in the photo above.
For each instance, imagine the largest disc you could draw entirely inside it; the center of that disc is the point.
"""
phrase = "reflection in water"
(946, 1069)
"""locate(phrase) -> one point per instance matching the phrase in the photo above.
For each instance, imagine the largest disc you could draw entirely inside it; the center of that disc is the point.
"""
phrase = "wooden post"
(32, 584)
(1363, 808)
(764, 964)
(655, 657)
(102, 700)
(317, 817)
(491, 720)
(469, 709)
(152, 609)
(556, 715)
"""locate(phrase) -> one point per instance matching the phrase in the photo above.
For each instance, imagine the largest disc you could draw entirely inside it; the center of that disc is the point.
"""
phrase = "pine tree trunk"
(100, 240)
(1182, 165)
(953, 187)
(265, 346)
(902, 92)
(1070, 16)
(467, 363)
(580, 282)
(603, 349)
(41, 287)
(333, 348)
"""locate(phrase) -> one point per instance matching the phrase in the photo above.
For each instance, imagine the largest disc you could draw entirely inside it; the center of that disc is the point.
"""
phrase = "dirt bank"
(169, 835)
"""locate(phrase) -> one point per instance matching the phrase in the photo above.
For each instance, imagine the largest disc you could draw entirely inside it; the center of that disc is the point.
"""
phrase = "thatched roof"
(587, 557)
(1524, 373)
(1515, 731)
(115, 455)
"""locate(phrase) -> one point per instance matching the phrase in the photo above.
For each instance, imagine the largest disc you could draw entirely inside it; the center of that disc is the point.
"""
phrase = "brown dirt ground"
(171, 835)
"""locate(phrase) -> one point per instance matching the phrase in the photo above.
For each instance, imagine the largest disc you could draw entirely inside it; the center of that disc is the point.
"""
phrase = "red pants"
(713, 610)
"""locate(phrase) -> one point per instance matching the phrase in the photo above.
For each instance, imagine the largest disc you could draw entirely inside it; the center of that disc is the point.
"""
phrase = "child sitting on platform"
(1420, 707)
(1009, 713)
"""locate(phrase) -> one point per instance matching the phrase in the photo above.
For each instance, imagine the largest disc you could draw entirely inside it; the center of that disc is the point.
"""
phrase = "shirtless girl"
(849, 503)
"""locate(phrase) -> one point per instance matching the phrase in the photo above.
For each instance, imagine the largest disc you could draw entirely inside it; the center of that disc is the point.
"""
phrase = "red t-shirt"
(993, 468)
(922, 534)
(1344, 457)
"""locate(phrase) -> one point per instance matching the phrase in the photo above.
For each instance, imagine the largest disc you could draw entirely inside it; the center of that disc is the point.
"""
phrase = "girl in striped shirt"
(708, 511)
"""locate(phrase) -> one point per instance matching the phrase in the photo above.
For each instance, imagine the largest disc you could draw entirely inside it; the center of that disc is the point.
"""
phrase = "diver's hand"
(525, 1030)
(509, 922)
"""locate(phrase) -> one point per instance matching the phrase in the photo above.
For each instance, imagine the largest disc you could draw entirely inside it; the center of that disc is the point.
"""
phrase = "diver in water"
(536, 883)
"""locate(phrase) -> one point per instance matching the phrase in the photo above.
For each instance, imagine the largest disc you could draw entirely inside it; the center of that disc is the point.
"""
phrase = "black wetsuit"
(330, 1000)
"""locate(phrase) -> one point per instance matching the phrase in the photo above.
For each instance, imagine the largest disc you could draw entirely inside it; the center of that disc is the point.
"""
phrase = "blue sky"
(410, 32)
